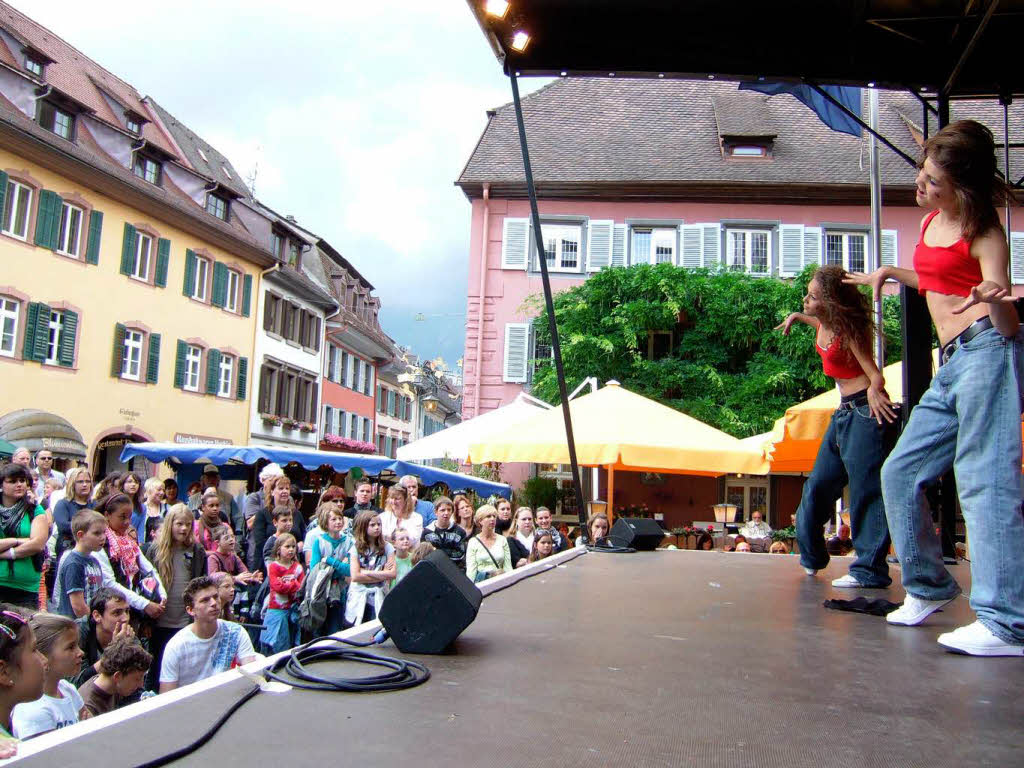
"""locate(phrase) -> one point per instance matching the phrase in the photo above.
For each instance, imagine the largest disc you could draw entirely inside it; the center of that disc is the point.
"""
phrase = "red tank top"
(837, 361)
(950, 270)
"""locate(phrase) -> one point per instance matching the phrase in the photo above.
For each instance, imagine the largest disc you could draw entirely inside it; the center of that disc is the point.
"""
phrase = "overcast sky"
(357, 118)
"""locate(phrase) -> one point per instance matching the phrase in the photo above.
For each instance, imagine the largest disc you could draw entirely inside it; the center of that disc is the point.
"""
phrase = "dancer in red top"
(858, 435)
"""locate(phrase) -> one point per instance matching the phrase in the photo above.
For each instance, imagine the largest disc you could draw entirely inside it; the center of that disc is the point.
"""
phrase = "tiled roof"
(607, 131)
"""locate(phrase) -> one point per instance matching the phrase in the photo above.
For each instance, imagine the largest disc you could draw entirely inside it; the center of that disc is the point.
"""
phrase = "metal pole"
(1005, 101)
(549, 303)
(876, 220)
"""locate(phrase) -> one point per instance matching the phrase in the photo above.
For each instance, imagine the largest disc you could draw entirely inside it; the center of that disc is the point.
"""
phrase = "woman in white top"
(398, 514)
(520, 536)
(487, 553)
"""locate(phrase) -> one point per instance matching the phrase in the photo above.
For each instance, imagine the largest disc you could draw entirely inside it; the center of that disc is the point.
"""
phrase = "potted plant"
(271, 419)
(288, 423)
(786, 535)
(305, 426)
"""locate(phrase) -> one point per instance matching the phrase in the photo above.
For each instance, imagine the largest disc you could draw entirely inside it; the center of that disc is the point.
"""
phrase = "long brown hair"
(965, 151)
(362, 538)
(270, 486)
(163, 547)
(844, 309)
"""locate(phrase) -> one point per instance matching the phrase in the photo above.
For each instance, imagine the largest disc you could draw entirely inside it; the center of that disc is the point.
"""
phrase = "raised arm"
(797, 317)
(875, 280)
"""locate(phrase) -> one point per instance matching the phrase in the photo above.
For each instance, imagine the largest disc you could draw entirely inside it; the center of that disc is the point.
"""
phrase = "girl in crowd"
(334, 545)
(504, 507)
(372, 561)
(403, 561)
(107, 486)
(544, 522)
(464, 515)
(969, 419)
(399, 514)
(76, 498)
(543, 544)
(226, 594)
(24, 529)
(22, 673)
(60, 705)
(210, 519)
(277, 492)
(487, 553)
(224, 559)
(597, 529)
(280, 631)
(131, 486)
(50, 485)
(125, 568)
(520, 537)
(858, 436)
(154, 506)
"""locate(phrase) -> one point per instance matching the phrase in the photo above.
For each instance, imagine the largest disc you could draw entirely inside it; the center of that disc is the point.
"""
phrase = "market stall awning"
(454, 442)
(619, 429)
(37, 430)
(311, 460)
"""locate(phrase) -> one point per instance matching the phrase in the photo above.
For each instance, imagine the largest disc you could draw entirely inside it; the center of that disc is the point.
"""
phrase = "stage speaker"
(431, 606)
(640, 533)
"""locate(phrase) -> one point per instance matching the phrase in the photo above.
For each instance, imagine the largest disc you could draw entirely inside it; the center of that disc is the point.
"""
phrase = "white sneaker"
(846, 582)
(915, 610)
(811, 571)
(977, 640)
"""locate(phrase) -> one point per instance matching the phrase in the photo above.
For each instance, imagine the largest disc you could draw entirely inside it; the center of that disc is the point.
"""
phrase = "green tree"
(726, 365)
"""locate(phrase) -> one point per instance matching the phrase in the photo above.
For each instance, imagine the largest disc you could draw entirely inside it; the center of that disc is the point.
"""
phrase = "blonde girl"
(487, 553)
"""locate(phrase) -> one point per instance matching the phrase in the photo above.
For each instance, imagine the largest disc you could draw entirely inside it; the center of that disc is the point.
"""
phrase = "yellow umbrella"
(618, 429)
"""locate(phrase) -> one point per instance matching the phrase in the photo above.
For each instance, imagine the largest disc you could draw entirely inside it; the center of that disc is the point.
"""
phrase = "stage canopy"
(454, 442)
(311, 460)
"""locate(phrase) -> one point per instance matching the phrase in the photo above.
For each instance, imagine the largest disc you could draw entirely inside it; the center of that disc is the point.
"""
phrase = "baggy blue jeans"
(968, 420)
(852, 452)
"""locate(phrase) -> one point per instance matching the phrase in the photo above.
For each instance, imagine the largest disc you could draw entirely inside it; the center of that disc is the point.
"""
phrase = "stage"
(668, 658)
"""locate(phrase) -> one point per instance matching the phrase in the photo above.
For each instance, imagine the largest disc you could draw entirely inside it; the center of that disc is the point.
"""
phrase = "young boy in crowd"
(445, 535)
(282, 519)
(207, 646)
(422, 550)
(122, 670)
(107, 621)
(79, 576)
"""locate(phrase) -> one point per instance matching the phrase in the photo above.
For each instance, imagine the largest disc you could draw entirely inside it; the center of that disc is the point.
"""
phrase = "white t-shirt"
(187, 658)
(47, 713)
(412, 524)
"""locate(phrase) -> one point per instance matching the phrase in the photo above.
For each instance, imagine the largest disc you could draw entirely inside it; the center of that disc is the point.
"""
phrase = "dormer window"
(748, 150)
(146, 168)
(217, 206)
(58, 120)
(34, 65)
(133, 123)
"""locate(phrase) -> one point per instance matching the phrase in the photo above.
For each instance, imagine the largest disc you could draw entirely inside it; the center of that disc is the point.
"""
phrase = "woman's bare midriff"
(948, 325)
(854, 385)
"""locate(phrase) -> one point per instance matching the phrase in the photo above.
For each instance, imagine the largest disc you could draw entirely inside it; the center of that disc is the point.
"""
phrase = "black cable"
(605, 544)
(404, 674)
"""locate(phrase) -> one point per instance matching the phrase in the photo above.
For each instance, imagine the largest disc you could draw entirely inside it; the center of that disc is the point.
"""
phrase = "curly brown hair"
(845, 310)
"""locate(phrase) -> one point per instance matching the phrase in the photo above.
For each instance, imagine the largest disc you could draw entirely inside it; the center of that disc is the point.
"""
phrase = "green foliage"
(538, 492)
(727, 366)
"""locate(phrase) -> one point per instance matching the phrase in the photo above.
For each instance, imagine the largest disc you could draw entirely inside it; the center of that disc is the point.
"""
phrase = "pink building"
(692, 173)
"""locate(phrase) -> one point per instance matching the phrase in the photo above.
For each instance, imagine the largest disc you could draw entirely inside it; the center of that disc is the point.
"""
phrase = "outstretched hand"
(985, 292)
(874, 280)
(786, 324)
(880, 405)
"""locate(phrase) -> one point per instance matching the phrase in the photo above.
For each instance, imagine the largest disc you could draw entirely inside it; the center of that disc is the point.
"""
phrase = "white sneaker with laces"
(846, 582)
(977, 640)
(915, 610)
(811, 571)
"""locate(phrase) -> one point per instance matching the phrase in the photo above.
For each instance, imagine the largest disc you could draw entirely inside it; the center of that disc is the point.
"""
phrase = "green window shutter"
(42, 334)
(66, 353)
(128, 249)
(163, 258)
(153, 361)
(179, 364)
(246, 294)
(3, 192)
(28, 351)
(212, 371)
(220, 284)
(48, 219)
(117, 359)
(243, 377)
(92, 251)
(190, 272)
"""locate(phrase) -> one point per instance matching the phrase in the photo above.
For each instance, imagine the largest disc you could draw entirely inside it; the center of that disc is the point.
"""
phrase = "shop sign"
(113, 442)
(185, 438)
(62, 445)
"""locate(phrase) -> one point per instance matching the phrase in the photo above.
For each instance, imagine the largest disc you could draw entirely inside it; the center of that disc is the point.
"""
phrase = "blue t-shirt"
(76, 573)
(426, 510)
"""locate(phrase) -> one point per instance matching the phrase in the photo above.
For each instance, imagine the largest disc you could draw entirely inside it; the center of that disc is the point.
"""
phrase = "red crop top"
(950, 269)
(837, 361)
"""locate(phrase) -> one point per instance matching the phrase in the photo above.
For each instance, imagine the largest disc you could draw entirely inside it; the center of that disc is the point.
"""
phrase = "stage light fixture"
(520, 40)
(496, 8)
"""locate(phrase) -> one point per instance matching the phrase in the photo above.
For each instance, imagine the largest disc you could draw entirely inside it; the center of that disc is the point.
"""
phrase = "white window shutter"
(812, 246)
(791, 248)
(890, 257)
(619, 245)
(599, 245)
(515, 243)
(369, 376)
(1016, 258)
(692, 249)
(517, 341)
(711, 235)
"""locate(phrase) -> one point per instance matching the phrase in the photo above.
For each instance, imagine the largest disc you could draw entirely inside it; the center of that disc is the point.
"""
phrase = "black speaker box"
(640, 533)
(431, 606)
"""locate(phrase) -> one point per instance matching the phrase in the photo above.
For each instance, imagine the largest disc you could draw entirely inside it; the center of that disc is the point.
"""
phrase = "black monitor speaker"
(640, 533)
(431, 606)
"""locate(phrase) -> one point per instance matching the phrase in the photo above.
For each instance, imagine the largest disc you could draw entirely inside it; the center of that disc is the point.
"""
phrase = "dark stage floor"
(651, 659)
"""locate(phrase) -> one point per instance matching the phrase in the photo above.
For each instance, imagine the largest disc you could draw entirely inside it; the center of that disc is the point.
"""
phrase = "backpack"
(260, 601)
(315, 593)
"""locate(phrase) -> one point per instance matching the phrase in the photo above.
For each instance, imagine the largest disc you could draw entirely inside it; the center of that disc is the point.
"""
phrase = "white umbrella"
(454, 442)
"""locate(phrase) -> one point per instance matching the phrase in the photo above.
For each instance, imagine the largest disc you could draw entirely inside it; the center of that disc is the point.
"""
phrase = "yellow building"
(130, 263)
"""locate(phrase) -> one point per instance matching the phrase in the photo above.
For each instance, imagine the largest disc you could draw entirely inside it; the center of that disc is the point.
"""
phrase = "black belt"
(978, 326)
(854, 402)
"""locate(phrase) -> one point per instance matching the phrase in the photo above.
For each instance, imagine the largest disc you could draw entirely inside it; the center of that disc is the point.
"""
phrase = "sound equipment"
(640, 533)
(431, 606)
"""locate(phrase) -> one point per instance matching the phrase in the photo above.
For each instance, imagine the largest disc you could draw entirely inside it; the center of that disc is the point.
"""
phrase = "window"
(543, 352)
(749, 250)
(653, 245)
(231, 298)
(846, 249)
(146, 168)
(366, 430)
(659, 344)
(278, 245)
(55, 119)
(199, 282)
(747, 150)
(10, 311)
(33, 65)
(131, 359)
(17, 208)
(143, 250)
(193, 368)
(132, 124)
(53, 342)
(562, 246)
(225, 376)
(353, 431)
(217, 206)
(293, 253)
(69, 237)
